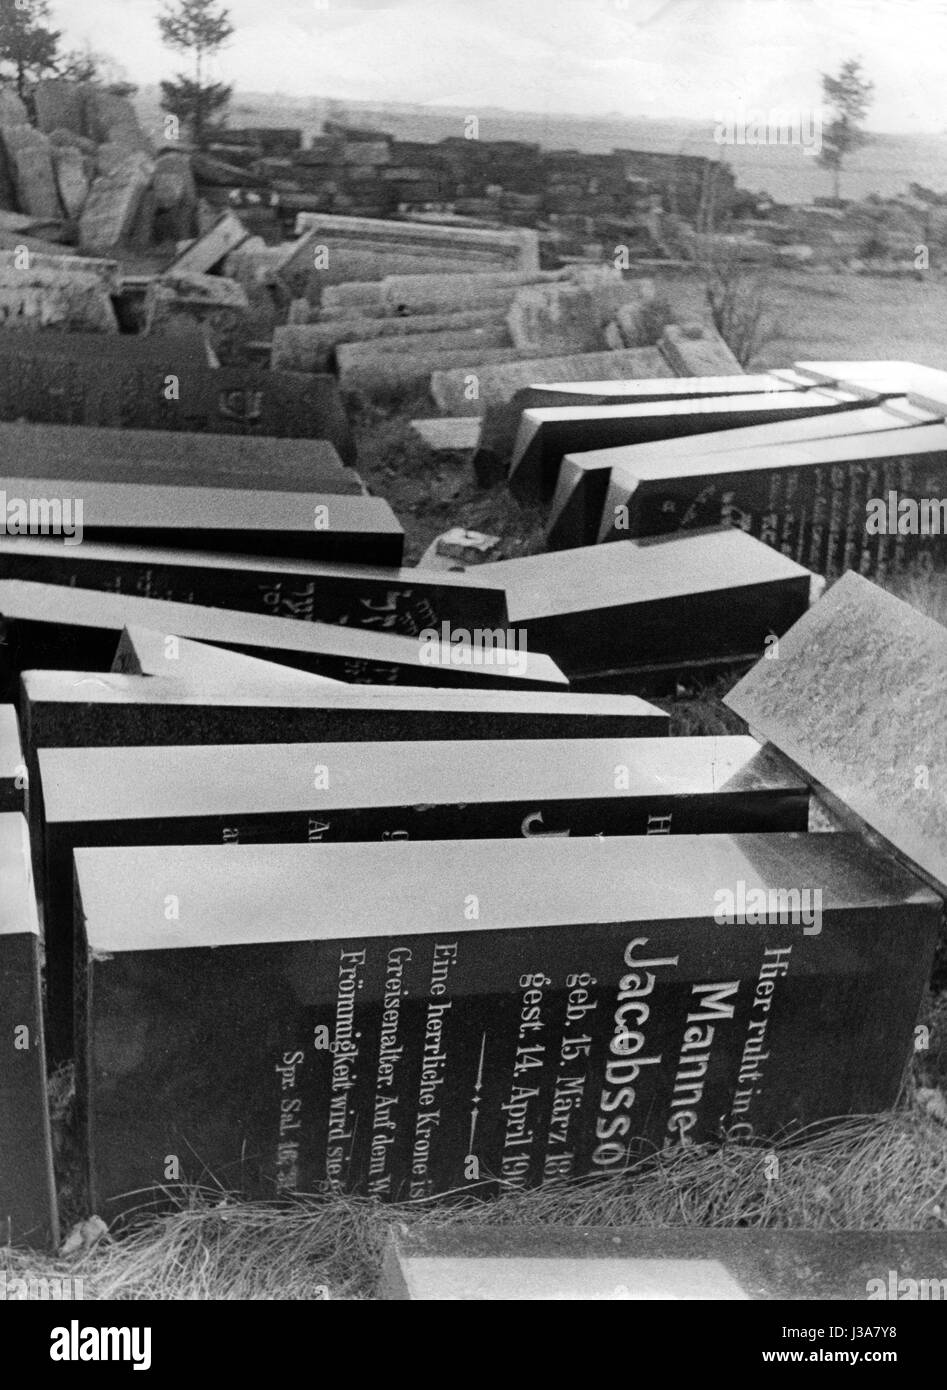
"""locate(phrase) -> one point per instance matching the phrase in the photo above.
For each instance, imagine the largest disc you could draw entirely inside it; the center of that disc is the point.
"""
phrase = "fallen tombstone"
(470, 391)
(29, 162)
(208, 252)
(575, 513)
(74, 453)
(212, 301)
(329, 792)
(113, 202)
(654, 610)
(384, 599)
(306, 525)
(545, 436)
(162, 384)
(56, 628)
(28, 1210)
(827, 503)
(449, 436)
(359, 245)
(501, 421)
(856, 699)
(444, 938)
(697, 350)
(69, 294)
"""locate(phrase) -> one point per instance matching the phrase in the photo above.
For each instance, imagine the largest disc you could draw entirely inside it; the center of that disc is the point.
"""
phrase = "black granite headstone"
(402, 601)
(326, 792)
(654, 609)
(48, 626)
(143, 652)
(813, 501)
(411, 1019)
(123, 381)
(307, 525)
(501, 421)
(575, 514)
(28, 1213)
(546, 436)
(77, 452)
(12, 765)
(77, 709)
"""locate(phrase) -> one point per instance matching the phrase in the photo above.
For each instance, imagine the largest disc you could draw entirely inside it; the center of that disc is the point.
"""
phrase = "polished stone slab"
(667, 1264)
(306, 525)
(81, 452)
(657, 607)
(857, 699)
(575, 513)
(407, 1019)
(80, 709)
(382, 598)
(143, 652)
(546, 436)
(49, 626)
(340, 792)
(28, 1212)
(162, 384)
(501, 420)
(810, 500)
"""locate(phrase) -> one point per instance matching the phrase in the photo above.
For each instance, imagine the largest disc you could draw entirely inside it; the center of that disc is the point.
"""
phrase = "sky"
(698, 59)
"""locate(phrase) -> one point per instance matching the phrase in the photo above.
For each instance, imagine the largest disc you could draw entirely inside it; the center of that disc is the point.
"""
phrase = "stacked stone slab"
(359, 247)
(69, 293)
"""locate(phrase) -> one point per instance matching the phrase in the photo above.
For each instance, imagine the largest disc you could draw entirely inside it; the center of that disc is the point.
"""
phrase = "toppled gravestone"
(175, 193)
(472, 390)
(697, 350)
(576, 316)
(30, 164)
(209, 300)
(113, 203)
(60, 105)
(69, 293)
(71, 168)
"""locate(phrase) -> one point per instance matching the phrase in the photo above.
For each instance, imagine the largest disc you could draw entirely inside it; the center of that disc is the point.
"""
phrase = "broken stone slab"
(173, 180)
(472, 391)
(855, 698)
(375, 241)
(113, 204)
(12, 110)
(208, 251)
(30, 162)
(70, 293)
(70, 166)
(210, 300)
(386, 371)
(310, 347)
(697, 350)
(438, 294)
(555, 320)
(113, 119)
(574, 316)
(60, 105)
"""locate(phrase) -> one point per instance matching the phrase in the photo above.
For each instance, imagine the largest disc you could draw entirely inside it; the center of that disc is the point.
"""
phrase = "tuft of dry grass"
(886, 1172)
